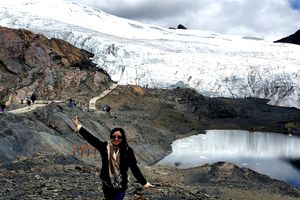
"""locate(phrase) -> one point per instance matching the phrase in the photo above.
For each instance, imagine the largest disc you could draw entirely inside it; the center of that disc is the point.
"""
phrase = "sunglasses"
(116, 137)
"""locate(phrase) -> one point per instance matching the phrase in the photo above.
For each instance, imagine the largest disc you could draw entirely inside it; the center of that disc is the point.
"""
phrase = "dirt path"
(92, 104)
(41, 103)
(37, 104)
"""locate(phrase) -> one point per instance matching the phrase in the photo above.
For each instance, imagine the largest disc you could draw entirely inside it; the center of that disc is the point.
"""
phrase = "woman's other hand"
(148, 186)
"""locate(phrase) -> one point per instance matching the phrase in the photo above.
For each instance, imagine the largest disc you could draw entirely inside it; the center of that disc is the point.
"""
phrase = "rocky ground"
(56, 176)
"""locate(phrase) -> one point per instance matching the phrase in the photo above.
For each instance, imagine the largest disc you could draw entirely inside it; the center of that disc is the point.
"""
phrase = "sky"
(260, 18)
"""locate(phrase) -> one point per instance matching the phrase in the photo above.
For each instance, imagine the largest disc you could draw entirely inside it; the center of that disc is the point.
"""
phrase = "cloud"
(260, 18)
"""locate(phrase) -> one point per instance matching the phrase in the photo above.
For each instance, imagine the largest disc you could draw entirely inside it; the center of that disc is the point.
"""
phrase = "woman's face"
(116, 138)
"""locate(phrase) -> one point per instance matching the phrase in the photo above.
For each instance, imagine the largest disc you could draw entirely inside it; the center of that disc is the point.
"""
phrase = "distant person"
(33, 98)
(28, 102)
(71, 103)
(117, 157)
(106, 108)
(2, 106)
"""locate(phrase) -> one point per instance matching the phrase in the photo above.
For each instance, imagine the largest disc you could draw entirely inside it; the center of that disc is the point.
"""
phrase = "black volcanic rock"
(293, 39)
(180, 26)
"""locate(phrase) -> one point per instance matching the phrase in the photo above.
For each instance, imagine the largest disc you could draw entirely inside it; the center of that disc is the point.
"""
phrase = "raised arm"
(90, 138)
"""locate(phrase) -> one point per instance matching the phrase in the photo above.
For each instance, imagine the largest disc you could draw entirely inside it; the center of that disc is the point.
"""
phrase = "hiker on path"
(106, 108)
(33, 98)
(117, 157)
(2, 106)
(72, 103)
(28, 101)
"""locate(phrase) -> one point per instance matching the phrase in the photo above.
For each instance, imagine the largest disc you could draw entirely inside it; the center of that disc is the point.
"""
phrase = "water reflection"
(266, 153)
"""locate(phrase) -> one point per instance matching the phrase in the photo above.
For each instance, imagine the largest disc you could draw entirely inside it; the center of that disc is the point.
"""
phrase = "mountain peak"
(292, 39)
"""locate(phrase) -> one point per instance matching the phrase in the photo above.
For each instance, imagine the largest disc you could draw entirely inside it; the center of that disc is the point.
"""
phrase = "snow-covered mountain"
(136, 53)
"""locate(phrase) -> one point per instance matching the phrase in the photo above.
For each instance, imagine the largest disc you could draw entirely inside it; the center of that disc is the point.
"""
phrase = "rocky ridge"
(292, 39)
(52, 69)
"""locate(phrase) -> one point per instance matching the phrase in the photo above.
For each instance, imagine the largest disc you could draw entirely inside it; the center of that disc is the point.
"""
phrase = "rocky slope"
(52, 69)
(184, 111)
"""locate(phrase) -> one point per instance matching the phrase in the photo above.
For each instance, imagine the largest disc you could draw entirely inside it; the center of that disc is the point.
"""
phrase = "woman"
(117, 157)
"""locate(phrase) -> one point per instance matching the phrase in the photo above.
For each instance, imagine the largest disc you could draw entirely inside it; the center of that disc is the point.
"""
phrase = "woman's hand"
(148, 186)
(75, 121)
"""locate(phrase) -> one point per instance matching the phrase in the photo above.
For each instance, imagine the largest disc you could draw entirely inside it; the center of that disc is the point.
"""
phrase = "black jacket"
(127, 160)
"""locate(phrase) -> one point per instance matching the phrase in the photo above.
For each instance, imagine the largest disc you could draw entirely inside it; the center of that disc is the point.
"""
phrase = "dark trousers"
(112, 193)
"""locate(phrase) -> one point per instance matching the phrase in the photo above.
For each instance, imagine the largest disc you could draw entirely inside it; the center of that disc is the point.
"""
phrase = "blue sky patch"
(295, 4)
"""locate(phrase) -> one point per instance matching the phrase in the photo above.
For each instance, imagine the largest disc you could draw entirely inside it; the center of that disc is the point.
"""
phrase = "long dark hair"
(123, 144)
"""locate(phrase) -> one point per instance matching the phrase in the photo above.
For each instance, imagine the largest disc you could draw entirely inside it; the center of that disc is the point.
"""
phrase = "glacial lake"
(266, 153)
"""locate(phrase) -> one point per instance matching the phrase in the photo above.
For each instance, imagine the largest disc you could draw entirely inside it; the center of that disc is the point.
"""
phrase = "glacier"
(233, 66)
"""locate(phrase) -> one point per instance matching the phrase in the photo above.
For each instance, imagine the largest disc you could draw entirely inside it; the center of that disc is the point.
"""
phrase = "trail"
(92, 104)
(42, 103)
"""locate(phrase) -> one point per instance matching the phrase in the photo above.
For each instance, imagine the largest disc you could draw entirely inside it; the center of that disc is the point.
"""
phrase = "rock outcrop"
(293, 39)
(180, 26)
(52, 69)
